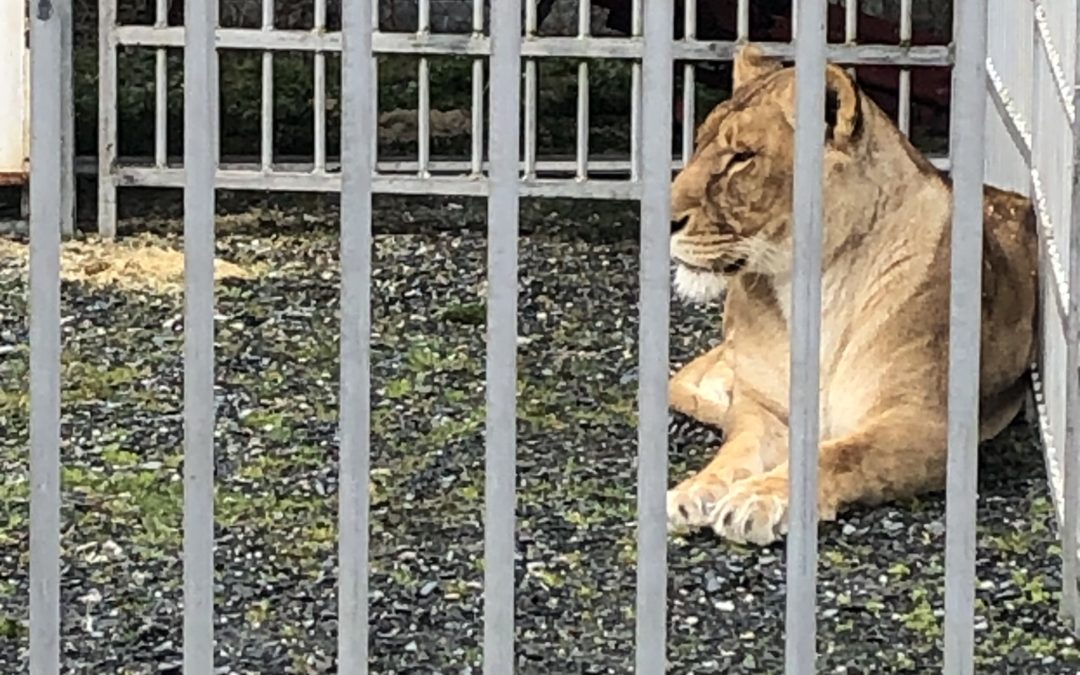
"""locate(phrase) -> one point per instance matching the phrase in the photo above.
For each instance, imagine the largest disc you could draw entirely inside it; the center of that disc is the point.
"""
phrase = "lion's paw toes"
(754, 511)
(693, 503)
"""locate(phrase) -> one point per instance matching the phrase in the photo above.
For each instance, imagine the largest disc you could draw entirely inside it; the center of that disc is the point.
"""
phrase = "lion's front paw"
(691, 504)
(754, 510)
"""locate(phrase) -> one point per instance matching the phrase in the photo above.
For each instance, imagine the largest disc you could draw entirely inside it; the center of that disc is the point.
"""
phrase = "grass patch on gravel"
(881, 570)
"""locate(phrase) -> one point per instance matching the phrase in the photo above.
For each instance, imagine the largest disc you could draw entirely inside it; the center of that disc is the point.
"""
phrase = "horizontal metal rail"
(587, 47)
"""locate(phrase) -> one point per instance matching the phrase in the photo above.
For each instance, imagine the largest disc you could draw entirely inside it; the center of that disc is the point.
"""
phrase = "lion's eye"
(739, 157)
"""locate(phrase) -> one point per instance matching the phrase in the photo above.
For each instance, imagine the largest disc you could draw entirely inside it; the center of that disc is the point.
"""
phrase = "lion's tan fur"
(885, 305)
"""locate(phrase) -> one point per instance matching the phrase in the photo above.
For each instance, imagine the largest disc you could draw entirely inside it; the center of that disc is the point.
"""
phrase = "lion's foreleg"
(893, 456)
(702, 388)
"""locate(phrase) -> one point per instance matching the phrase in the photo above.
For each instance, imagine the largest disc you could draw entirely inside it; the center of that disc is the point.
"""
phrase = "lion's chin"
(698, 285)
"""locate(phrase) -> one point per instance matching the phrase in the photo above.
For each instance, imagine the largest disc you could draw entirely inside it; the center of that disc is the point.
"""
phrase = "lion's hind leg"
(702, 388)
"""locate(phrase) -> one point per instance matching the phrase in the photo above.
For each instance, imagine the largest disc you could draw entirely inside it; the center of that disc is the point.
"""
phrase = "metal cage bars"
(1036, 126)
(504, 188)
(578, 176)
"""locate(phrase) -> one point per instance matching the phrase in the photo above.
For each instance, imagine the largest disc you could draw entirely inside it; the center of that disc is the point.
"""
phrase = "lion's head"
(732, 203)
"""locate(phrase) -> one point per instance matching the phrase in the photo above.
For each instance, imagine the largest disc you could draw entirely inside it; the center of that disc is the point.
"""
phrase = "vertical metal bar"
(320, 91)
(742, 21)
(477, 153)
(200, 167)
(1070, 568)
(67, 132)
(161, 102)
(161, 90)
(501, 405)
(904, 91)
(851, 26)
(107, 118)
(689, 85)
(423, 109)
(373, 93)
(635, 96)
(359, 81)
(967, 154)
(801, 620)
(651, 600)
(45, 181)
(584, 28)
(530, 93)
(266, 119)
(851, 21)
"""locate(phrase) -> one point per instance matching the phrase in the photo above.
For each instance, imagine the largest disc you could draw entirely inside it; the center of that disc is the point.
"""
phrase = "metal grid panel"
(46, 106)
(1033, 85)
(577, 177)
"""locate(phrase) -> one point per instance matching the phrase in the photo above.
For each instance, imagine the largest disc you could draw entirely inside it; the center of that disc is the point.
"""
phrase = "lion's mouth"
(726, 268)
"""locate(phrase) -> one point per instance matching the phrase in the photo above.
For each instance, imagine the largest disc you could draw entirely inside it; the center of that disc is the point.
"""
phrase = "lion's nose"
(679, 223)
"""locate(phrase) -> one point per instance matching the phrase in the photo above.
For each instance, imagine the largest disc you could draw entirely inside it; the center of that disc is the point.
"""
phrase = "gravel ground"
(881, 570)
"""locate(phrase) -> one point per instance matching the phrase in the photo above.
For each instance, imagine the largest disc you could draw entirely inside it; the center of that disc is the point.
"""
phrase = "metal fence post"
(200, 163)
(657, 83)
(501, 361)
(46, 181)
(801, 624)
(357, 129)
(965, 317)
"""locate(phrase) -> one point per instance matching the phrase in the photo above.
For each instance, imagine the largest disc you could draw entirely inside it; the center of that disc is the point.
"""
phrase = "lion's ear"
(750, 64)
(843, 108)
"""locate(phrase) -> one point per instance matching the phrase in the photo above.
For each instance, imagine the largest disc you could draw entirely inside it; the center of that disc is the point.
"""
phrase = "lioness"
(885, 305)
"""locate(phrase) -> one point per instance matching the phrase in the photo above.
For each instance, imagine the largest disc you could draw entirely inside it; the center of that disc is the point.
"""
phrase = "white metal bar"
(501, 361)
(477, 153)
(904, 89)
(359, 80)
(851, 21)
(374, 91)
(161, 89)
(801, 620)
(689, 85)
(46, 181)
(967, 149)
(67, 133)
(635, 94)
(320, 91)
(200, 162)
(266, 119)
(582, 136)
(423, 116)
(742, 21)
(651, 601)
(107, 113)
(1070, 567)
(531, 86)
(423, 108)
(572, 47)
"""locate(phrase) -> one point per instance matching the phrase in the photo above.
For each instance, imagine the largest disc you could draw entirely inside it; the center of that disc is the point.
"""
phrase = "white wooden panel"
(14, 89)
